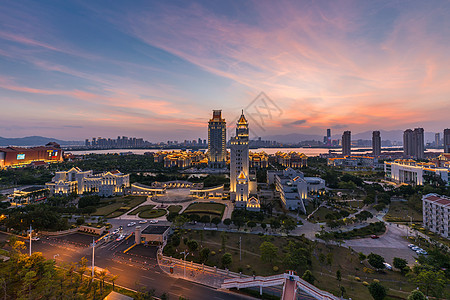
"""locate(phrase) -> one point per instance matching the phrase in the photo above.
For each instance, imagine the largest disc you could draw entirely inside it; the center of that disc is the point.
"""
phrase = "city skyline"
(76, 70)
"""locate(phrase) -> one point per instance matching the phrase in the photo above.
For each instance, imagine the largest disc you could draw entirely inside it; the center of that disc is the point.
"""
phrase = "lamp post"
(93, 253)
(30, 231)
(185, 254)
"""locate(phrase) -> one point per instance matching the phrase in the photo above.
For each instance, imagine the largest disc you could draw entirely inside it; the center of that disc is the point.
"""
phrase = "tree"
(113, 279)
(339, 276)
(192, 245)
(180, 220)
(308, 277)
(227, 260)
(416, 295)
(268, 251)
(251, 224)
(205, 219)
(377, 291)
(227, 222)
(431, 281)
(80, 221)
(216, 221)
(400, 264)
(288, 225)
(361, 256)
(275, 224)
(204, 254)
(376, 261)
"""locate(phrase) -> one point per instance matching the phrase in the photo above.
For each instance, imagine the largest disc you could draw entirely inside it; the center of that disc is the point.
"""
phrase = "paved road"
(389, 245)
(131, 275)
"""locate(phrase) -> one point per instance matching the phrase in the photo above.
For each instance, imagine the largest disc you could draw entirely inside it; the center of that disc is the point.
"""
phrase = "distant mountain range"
(35, 141)
(392, 135)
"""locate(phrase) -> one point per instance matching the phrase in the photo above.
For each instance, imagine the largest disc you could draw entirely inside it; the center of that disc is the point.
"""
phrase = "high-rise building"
(217, 135)
(376, 143)
(328, 137)
(419, 141)
(437, 139)
(447, 140)
(408, 142)
(347, 143)
(413, 143)
(239, 152)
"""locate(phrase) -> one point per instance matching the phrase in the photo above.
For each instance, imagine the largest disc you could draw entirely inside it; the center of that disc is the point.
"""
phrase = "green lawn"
(319, 215)
(141, 209)
(400, 212)
(216, 209)
(118, 206)
(152, 213)
(174, 208)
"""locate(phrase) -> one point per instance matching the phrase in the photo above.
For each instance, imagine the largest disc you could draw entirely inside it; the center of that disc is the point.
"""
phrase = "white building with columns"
(77, 181)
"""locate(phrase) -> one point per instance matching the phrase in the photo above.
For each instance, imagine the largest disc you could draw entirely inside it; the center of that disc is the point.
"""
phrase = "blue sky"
(156, 69)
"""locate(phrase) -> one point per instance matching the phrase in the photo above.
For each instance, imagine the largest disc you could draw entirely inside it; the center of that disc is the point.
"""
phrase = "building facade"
(346, 143)
(217, 135)
(413, 143)
(447, 140)
(294, 188)
(79, 182)
(376, 143)
(436, 214)
(239, 153)
(411, 172)
(18, 156)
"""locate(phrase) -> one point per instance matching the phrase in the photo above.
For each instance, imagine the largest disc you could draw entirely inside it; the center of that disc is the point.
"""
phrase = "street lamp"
(93, 253)
(185, 254)
(30, 231)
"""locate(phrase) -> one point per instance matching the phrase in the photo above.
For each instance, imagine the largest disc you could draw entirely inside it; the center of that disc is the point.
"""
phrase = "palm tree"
(113, 279)
(102, 275)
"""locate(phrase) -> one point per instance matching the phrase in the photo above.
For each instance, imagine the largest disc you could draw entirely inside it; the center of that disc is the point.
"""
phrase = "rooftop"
(152, 229)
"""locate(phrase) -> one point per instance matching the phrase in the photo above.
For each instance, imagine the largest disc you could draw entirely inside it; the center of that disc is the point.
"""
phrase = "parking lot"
(389, 245)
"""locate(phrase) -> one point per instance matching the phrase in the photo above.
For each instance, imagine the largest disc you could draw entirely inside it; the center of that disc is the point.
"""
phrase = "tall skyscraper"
(239, 152)
(347, 143)
(447, 140)
(437, 139)
(376, 143)
(217, 135)
(328, 137)
(419, 141)
(413, 143)
(408, 142)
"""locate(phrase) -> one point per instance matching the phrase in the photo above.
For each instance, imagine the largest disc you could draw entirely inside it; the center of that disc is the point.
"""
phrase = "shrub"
(275, 268)
(357, 279)
(365, 283)
(213, 253)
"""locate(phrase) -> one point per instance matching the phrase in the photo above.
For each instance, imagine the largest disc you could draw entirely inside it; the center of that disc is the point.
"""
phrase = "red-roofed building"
(436, 214)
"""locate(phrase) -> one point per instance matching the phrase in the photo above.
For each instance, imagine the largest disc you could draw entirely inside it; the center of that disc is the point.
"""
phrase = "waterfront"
(307, 151)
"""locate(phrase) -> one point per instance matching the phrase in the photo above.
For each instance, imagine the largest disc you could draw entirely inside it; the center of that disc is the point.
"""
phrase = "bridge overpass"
(291, 283)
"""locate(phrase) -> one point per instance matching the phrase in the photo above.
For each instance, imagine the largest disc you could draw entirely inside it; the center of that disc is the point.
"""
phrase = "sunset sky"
(156, 69)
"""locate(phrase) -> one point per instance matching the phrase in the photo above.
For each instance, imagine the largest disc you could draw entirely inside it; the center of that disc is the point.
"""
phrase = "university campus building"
(436, 214)
(77, 181)
(411, 172)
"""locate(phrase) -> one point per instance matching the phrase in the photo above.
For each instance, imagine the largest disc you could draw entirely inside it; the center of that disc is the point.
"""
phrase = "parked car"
(153, 221)
(411, 245)
(374, 236)
(142, 221)
(387, 266)
(415, 248)
(121, 237)
(35, 239)
(421, 251)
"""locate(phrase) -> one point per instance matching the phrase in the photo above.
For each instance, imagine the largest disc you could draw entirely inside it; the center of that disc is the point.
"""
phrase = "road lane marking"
(117, 268)
(148, 278)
